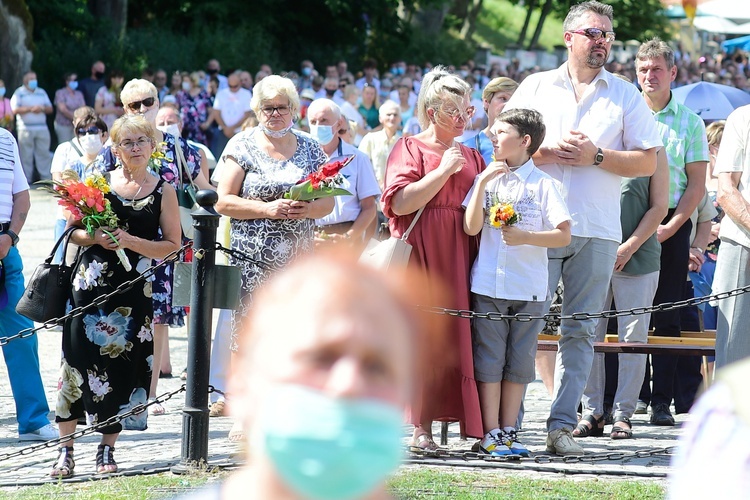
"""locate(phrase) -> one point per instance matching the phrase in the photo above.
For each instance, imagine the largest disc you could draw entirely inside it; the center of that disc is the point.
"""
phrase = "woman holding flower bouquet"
(108, 352)
(433, 171)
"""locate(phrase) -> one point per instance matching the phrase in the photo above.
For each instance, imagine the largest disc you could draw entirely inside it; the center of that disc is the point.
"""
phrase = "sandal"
(155, 408)
(65, 464)
(619, 432)
(217, 409)
(583, 430)
(423, 443)
(105, 460)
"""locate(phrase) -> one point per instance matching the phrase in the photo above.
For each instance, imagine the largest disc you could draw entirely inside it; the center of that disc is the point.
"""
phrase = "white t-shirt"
(517, 272)
(734, 156)
(614, 116)
(12, 178)
(233, 105)
(359, 179)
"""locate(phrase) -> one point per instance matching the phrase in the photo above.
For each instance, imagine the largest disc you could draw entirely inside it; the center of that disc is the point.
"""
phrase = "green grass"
(408, 483)
(500, 22)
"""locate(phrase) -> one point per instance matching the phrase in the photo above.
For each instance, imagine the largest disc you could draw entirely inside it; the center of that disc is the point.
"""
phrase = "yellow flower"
(97, 181)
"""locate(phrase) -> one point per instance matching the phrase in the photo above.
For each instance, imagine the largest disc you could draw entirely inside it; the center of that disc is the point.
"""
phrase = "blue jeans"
(586, 267)
(59, 230)
(21, 355)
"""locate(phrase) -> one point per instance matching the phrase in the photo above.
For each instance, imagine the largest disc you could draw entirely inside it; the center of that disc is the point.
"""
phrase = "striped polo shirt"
(12, 178)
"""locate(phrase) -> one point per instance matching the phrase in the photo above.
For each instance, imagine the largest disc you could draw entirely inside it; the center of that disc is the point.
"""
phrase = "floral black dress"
(108, 352)
(272, 242)
(166, 168)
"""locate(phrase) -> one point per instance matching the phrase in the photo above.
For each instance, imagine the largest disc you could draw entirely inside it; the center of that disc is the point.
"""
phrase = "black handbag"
(49, 288)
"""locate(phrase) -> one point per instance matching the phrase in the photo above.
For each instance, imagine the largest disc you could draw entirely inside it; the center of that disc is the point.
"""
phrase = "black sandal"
(105, 458)
(619, 432)
(582, 430)
(65, 464)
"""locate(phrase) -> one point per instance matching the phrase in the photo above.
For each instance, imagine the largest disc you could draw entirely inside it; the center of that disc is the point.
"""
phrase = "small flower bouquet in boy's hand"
(503, 214)
(86, 201)
(321, 184)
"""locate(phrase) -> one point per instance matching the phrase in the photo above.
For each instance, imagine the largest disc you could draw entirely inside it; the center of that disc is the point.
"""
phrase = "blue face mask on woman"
(329, 448)
(322, 133)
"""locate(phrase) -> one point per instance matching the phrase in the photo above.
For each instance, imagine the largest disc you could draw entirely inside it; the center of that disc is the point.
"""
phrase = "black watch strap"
(599, 157)
(13, 237)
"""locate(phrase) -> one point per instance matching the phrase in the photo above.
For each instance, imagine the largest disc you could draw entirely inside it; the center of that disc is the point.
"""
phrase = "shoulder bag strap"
(72, 143)
(181, 162)
(413, 223)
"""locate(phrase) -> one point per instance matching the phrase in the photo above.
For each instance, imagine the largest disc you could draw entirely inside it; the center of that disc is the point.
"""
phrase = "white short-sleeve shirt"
(233, 105)
(734, 156)
(517, 272)
(614, 116)
(12, 178)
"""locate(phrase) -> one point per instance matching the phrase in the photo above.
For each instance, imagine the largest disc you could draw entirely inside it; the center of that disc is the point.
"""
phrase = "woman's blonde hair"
(714, 132)
(131, 124)
(274, 86)
(499, 84)
(137, 87)
(439, 86)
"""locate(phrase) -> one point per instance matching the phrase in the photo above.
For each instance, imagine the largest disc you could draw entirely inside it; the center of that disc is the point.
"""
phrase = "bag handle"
(411, 226)
(181, 163)
(63, 237)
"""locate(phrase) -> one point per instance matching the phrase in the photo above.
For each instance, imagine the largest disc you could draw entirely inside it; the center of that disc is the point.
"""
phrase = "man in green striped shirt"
(684, 137)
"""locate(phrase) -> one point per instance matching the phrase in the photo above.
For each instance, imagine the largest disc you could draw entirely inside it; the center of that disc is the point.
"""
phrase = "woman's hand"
(280, 209)
(299, 210)
(104, 240)
(453, 161)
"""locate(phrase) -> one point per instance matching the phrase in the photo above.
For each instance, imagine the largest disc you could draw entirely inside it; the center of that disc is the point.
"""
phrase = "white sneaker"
(46, 433)
(561, 442)
(510, 438)
(492, 444)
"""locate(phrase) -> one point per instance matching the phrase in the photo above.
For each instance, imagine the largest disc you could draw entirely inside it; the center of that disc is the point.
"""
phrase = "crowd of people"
(508, 184)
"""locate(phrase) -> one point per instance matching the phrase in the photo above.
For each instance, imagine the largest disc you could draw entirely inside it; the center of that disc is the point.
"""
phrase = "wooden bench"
(687, 344)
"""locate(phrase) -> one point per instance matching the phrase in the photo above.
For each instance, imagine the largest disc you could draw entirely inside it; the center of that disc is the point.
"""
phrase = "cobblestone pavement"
(159, 447)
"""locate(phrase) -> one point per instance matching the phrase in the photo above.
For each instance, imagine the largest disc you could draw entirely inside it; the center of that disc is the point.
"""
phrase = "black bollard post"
(195, 412)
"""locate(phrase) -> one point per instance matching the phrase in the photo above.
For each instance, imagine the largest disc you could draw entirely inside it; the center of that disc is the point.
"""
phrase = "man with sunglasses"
(598, 131)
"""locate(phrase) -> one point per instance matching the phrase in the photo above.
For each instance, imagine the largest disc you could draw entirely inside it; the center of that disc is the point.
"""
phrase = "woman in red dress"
(434, 171)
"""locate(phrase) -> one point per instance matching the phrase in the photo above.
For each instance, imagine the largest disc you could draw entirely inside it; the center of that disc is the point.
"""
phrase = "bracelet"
(697, 248)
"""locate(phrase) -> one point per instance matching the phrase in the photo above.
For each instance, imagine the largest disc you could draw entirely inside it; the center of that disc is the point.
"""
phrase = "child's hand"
(512, 236)
(493, 170)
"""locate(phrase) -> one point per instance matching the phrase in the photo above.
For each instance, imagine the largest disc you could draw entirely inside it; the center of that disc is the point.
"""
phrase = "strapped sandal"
(65, 464)
(582, 430)
(105, 459)
(619, 432)
(423, 443)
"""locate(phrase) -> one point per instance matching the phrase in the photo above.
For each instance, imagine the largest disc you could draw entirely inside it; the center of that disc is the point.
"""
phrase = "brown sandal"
(65, 464)
(423, 443)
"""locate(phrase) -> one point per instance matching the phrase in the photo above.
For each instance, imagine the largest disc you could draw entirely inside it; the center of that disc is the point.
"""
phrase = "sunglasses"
(88, 131)
(147, 102)
(596, 34)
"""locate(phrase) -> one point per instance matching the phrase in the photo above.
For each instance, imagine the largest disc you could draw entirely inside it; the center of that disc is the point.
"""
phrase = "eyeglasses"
(130, 145)
(458, 114)
(269, 110)
(88, 131)
(596, 34)
(147, 102)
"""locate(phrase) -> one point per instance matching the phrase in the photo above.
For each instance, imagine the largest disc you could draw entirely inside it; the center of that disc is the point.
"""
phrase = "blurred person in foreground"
(349, 358)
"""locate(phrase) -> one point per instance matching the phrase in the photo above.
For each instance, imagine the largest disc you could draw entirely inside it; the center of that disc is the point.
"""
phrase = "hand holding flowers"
(321, 184)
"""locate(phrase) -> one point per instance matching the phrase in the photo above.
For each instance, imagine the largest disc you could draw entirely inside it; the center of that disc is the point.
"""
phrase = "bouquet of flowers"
(85, 200)
(321, 184)
(503, 214)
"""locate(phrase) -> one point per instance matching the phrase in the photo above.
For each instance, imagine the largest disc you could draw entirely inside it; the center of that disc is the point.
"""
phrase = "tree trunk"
(530, 8)
(470, 21)
(16, 28)
(114, 10)
(546, 9)
(428, 20)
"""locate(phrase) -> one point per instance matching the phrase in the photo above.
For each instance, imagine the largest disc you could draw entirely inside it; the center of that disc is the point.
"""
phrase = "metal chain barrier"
(240, 255)
(91, 429)
(443, 454)
(524, 317)
(75, 312)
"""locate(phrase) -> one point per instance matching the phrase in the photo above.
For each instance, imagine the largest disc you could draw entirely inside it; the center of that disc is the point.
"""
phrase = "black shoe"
(660, 415)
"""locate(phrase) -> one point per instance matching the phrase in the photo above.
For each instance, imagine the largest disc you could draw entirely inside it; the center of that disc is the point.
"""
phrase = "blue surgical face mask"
(337, 448)
(73, 84)
(2, 91)
(307, 71)
(33, 84)
(322, 133)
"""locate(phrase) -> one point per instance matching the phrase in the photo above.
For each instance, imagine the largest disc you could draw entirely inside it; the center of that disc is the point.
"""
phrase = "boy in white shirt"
(510, 274)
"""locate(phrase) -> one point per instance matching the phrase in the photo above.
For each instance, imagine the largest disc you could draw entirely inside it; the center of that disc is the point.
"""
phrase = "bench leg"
(443, 433)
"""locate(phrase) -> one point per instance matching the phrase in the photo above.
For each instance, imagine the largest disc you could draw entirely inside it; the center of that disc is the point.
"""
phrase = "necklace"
(140, 187)
(444, 144)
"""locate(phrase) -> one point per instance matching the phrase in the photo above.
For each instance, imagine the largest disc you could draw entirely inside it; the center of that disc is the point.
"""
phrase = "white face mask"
(173, 129)
(90, 143)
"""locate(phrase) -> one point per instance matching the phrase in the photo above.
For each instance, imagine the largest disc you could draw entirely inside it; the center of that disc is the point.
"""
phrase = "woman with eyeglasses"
(108, 103)
(431, 170)
(139, 97)
(67, 100)
(260, 165)
(108, 351)
(78, 155)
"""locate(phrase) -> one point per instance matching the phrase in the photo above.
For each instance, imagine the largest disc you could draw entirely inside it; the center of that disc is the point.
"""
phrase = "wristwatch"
(599, 157)
(13, 237)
